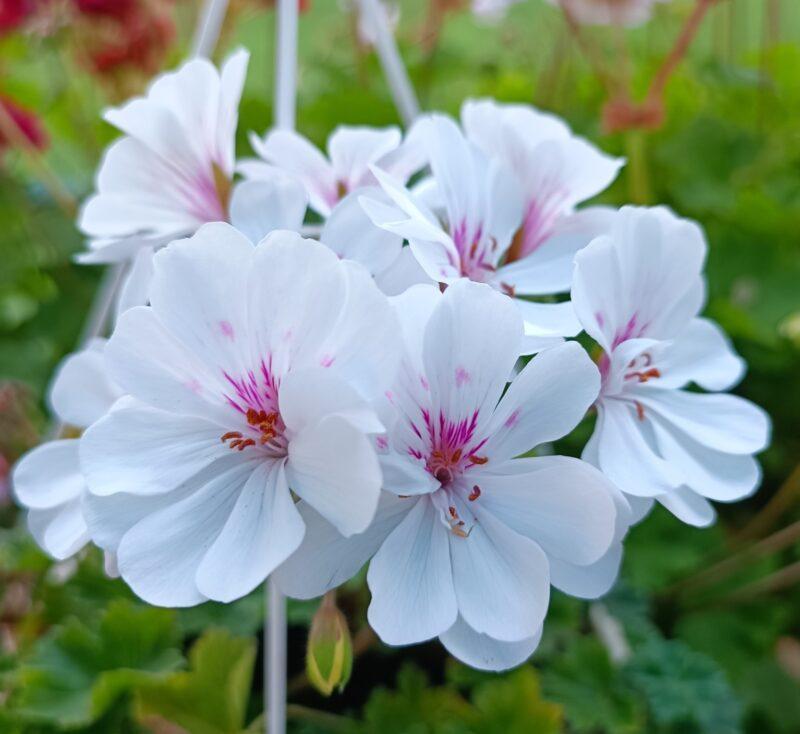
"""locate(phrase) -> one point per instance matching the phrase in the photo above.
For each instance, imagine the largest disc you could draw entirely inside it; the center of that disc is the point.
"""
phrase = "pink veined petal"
(411, 580)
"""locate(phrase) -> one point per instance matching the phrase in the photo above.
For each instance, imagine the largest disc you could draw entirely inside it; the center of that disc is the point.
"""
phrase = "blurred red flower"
(117, 8)
(13, 14)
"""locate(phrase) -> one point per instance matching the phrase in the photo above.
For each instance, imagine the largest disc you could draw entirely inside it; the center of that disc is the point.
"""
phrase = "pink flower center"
(255, 398)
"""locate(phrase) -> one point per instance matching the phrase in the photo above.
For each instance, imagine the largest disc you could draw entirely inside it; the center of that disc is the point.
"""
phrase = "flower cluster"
(271, 404)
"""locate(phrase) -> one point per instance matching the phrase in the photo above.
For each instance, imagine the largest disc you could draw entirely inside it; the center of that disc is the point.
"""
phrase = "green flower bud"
(329, 656)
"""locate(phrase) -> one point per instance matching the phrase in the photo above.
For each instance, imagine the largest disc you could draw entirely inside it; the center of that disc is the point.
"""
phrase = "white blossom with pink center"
(555, 171)
(172, 170)
(638, 292)
(251, 374)
(467, 537)
(351, 151)
(47, 480)
(464, 221)
(626, 13)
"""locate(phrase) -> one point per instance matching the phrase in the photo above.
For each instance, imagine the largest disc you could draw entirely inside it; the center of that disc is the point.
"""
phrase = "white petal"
(135, 290)
(160, 555)
(326, 559)
(563, 504)
(353, 149)
(198, 293)
(351, 234)
(81, 391)
(295, 155)
(712, 474)
(548, 319)
(146, 361)
(501, 579)
(61, 530)
(689, 507)
(484, 652)
(587, 582)
(260, 207)
(702, 354)
(626, 455)
(142, 450)
(406, 476)
(402, 274)
(723, 422)
(544, 402)
(49, 475)
(411, 581)
(548, 269)
(333, 467)
(263, 529)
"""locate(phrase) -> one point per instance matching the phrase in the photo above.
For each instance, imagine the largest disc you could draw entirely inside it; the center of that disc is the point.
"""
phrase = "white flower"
(467, 538)
(48, 479)
(250, 374)
(350, 153)
(637, 292)
(172, 170)
(626, 13)
(463, 223)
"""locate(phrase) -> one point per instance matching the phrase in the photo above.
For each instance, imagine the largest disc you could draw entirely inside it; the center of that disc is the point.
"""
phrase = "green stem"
(639, 190)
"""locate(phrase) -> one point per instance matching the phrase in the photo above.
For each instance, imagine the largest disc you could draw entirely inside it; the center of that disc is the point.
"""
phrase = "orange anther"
(478, 459)
(639, 409)
(475, 493)
(229, 435)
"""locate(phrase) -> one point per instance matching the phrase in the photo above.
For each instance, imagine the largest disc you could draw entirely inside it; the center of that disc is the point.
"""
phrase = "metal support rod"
(275, 606)
(394, 70)
(275, 660)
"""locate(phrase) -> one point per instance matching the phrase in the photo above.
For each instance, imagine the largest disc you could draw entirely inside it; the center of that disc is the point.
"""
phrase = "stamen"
(478, 459)
(639, 409)
(509, 290)
(475, 493)
(229, 435)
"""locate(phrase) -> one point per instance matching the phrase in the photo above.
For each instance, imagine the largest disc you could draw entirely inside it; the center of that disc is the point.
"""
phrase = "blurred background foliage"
(702, 634)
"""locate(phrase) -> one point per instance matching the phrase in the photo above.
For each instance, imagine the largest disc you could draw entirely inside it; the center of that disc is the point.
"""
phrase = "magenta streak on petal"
(630, 331)
(476, 252)
(257, 393)
(541, 215)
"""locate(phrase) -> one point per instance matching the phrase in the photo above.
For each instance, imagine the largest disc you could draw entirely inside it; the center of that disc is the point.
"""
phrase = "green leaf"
(514, 705)
(595, 698)
(211, 697)
(685, 690)
(76, 673)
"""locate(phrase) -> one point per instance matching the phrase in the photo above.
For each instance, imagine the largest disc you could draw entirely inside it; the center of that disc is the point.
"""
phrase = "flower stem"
(405, 99)
(208, 27)
(275, 660)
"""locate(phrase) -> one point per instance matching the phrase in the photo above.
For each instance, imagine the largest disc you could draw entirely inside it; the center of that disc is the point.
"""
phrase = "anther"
(478, 459)
(639, 409)
(229, 435)
(475, 493)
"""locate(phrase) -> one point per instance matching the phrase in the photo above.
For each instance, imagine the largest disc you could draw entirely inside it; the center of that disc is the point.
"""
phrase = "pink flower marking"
(227, 329)
(462, 377)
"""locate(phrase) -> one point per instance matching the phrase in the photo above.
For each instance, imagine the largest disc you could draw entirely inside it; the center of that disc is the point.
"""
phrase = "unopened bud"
(329, 657)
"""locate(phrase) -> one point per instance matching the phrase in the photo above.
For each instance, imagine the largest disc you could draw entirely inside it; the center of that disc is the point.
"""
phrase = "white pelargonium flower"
(172, 170)
(48, 480)
(350, 153)
(465, 222)
(638, 292)
(250, 374)
(555, 171)
(467, 538)
(626, 13)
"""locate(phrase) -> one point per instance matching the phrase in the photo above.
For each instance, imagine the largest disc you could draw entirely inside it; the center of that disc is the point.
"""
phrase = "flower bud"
(329, 656)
